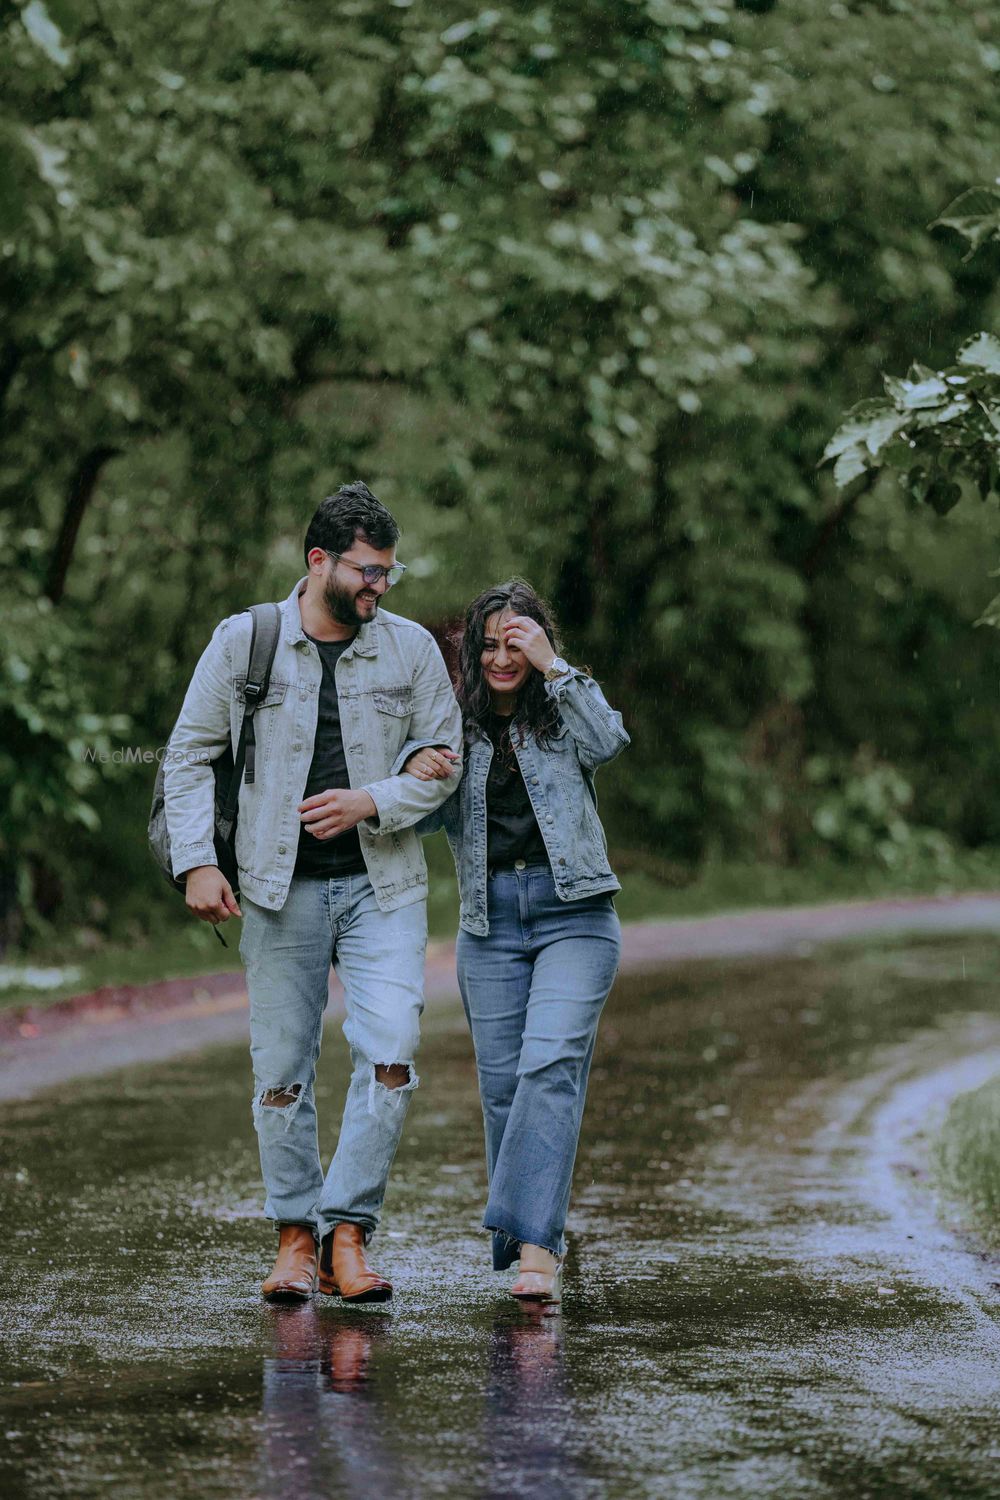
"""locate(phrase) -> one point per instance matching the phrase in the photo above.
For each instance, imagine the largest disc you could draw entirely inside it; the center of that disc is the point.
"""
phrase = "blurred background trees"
(581, 292)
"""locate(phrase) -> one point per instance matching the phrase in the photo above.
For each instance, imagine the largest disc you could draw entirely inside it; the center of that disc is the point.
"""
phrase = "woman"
(539, 942)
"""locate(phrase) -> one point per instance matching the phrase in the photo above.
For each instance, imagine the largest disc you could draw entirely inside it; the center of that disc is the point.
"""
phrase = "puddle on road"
(740, 1317)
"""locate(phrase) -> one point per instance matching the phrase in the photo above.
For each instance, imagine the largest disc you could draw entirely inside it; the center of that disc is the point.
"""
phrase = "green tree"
(581, 292)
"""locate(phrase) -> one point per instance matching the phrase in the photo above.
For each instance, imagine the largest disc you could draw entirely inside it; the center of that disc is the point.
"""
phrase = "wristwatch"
(559, 668)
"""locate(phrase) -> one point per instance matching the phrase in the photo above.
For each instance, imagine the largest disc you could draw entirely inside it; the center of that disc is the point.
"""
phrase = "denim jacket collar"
(365, 643)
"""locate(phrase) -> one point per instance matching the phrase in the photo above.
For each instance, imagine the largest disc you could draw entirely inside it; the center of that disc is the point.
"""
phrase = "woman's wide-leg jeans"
(533, 991)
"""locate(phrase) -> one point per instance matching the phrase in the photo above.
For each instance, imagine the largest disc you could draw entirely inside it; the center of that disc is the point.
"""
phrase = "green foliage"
(48, 730)
(939, 430)
(861, 811)
(579, 290)
(976, 216)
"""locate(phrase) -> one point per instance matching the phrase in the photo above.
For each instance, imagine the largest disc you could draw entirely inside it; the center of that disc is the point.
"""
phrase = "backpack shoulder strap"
(265, 628)
(264, 633)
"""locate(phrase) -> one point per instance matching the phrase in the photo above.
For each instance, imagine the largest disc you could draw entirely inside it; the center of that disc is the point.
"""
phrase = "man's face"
(349, 600)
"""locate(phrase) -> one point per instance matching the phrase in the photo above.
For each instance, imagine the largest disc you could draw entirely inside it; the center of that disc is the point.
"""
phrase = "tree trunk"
(830, 527)
(81, 492)
(10, 363)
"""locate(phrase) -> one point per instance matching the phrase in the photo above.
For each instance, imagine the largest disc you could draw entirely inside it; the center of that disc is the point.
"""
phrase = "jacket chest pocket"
(275, 692)
(563, 759)
(266, 717)
(393, 707)
(397, 702)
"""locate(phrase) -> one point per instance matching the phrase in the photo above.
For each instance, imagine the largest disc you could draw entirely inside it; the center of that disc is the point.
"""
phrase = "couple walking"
(361, 747)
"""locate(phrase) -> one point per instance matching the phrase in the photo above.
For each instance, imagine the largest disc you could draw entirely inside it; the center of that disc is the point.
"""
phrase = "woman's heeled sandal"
(551, 1293)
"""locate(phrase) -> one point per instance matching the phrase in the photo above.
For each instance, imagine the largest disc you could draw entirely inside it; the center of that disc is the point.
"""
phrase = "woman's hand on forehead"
(524, 634)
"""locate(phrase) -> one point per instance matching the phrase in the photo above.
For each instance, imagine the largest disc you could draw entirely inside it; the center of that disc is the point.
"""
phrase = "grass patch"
(172, 945)
(652, 888)
(175, 952)
(968, 1154)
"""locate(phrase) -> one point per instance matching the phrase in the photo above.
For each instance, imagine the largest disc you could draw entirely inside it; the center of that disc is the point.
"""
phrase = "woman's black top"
(512, 830)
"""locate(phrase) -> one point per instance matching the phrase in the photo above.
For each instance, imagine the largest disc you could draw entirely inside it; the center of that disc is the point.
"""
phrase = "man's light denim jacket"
(560, 782)
(393, 686)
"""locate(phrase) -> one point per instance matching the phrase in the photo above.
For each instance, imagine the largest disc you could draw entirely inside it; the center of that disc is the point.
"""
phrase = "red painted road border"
(122, 1027)
(647, 946)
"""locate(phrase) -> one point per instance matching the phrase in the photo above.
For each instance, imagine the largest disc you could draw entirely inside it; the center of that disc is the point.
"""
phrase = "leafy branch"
(939, 430)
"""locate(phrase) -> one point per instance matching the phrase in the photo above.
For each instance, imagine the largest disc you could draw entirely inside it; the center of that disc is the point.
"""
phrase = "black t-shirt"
(512, 830)
(328, 772)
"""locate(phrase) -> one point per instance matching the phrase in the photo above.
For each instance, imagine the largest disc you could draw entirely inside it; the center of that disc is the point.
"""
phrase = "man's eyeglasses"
(372, 572)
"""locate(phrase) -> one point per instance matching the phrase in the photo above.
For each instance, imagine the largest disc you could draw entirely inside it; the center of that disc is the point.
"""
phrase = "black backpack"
(230, 771)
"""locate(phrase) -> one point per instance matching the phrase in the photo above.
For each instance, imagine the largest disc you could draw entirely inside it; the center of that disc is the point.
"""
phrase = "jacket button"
(297, 745)
(282, 849)
(562, 861)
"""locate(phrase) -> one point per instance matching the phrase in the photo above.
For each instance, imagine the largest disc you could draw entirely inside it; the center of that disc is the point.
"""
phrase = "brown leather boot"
(293, 1276)
(344, 1271)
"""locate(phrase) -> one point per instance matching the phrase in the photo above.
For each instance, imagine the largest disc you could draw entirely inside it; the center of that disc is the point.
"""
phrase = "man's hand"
(432, 764)
(209, 895)
(333, 812)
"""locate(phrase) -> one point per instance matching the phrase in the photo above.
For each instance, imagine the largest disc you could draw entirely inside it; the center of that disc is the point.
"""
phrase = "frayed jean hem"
(507, 1244)
(279, 1224)
(328, 1223)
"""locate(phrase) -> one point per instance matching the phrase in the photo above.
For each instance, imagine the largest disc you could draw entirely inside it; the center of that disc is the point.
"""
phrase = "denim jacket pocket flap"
(394, 700)
(275, 691)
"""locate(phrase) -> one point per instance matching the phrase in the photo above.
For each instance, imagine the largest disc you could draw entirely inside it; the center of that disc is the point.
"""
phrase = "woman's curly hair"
(534, 709)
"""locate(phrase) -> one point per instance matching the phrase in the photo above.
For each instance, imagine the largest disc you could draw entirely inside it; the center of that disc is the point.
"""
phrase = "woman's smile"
(505, 667)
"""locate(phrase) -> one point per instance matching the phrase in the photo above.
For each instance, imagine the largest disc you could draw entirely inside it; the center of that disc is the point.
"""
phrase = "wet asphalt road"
(762, 1298)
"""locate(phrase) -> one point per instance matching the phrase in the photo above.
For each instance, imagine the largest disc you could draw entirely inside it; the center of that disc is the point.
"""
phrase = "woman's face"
(505, 667)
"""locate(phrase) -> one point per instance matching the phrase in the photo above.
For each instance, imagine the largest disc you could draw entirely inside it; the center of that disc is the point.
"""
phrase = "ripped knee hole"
(393, 1075)
(281, 1096)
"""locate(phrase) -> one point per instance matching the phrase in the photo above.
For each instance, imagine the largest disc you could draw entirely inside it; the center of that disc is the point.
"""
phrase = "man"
(331, 870)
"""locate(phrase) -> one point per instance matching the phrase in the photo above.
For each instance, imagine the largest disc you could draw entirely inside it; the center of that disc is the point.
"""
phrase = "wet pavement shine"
(762, 1296)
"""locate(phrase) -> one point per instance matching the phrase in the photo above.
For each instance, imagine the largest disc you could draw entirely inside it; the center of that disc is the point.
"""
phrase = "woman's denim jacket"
(559, 778)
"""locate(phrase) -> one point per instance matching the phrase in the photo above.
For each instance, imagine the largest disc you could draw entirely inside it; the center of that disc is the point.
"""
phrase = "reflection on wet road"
(326, 1422)
(759, 1299)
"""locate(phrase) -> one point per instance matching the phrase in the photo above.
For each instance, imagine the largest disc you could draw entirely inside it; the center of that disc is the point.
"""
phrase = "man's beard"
(342, 605)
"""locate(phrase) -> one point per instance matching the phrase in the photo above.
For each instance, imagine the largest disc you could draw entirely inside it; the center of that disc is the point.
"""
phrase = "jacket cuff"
(386, 802)
(190, 856)
(557, 687)
(409, 749)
